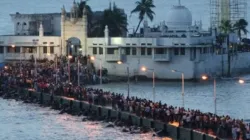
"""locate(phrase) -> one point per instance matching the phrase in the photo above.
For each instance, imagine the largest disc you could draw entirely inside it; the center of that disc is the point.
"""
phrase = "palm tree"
(219, 42)
(82, 5)
(144, 8)
(116, 21)
(226, 28)
(241, 26)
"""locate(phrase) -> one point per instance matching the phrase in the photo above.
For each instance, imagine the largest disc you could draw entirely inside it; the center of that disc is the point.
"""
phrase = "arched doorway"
(73, 46)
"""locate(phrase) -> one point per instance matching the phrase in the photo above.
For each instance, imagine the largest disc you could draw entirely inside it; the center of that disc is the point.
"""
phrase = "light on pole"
(204, 77)
(100, 67)
(13, 51)
(241, 81)
(153, 71)
(78, 71)
(56, 70)
(69, 57)
(128, 82)
(182, 85)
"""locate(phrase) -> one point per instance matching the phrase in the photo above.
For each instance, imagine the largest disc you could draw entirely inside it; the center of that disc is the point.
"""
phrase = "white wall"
(166, 42)
(240, 63)
(162, 69)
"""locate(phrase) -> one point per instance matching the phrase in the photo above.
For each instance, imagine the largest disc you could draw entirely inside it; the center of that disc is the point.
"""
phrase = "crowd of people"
(54, 79)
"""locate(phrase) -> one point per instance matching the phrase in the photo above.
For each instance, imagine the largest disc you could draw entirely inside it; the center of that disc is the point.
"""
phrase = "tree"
(241, 26)
(82, 5)
(226, 28)
(144, 8)
(116, 21)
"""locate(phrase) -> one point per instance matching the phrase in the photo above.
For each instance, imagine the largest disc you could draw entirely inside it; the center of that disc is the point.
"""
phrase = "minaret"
(85, 27)
(145, 27)
(41, 31)
(74, 11)
(106, 35)
(63, 18)
(163, 28)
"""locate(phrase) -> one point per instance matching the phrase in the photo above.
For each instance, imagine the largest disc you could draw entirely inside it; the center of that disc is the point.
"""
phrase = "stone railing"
(161, 57)
(174, 132)
(112, 57)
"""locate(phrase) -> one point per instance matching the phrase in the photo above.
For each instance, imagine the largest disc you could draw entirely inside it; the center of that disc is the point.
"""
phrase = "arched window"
(183, 35)
(18, 26)
(24, 27)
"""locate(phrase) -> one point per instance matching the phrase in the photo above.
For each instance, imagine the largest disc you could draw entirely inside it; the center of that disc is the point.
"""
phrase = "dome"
(179, 16)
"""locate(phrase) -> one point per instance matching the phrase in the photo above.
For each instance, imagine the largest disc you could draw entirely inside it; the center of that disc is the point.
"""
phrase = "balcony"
(161, 57)
(113, 57)
(18, 56)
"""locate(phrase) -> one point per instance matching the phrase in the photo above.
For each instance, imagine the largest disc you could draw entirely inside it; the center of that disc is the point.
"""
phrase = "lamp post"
(69, 57)
(56, 70)
(100, 67)
(153, 71)
(182, 85)
(72, 46)
(78, 72)
(128, 82)
(13, 51)
(204, 77)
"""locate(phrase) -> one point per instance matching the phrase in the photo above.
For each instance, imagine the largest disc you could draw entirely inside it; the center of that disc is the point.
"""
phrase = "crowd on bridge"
(54, 79)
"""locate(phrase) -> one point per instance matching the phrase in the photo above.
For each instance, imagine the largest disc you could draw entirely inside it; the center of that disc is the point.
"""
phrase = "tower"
(232, 10)
(41, 31)
(63, 18)
(106, 35)
(85, 28)
(74, 31)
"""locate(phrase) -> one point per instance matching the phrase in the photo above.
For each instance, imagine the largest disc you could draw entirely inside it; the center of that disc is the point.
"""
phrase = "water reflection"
(28, 122)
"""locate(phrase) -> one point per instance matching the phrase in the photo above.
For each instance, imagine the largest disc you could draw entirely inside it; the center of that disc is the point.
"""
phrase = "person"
(234, 132)
(238, 132)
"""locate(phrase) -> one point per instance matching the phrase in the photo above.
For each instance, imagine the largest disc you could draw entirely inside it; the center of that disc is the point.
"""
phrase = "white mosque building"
(176, 44)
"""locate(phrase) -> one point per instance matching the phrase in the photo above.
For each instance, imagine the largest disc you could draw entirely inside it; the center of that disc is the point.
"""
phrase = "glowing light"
(119, 62)
(204, 77)
(69, 56)
(241, 81)
(72, 46)
(48, 54)
(13, 46)
(92, 58)
(6, 67)
(144, 69)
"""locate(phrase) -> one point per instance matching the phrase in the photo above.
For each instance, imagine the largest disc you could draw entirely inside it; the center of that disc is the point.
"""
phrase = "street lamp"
(241, 81)
(56, 68)
(100, 67)
(69, 57)
(146, 69)
(120, 62)
(182, 81)
(78, 71)
(13, 49)
(205, 77)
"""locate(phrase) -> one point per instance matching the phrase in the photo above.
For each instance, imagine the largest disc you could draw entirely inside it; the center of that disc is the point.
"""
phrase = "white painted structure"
(176, 44)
